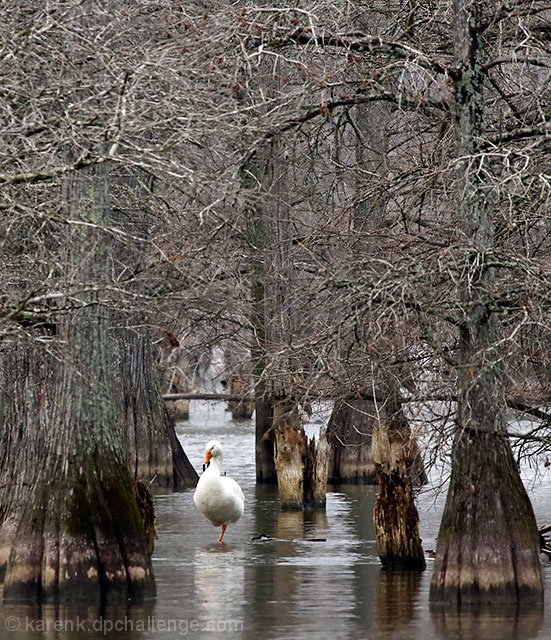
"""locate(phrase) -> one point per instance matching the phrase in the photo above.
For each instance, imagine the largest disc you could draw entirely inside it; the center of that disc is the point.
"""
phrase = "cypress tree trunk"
(264, 406)
(295, 476)
(280, 440)
(301, 464)
(265, 439)
(289, 451)
(256, 234)
(488, 547)
(290, 440)
(154, 453)
(70, 526)
(315, 471)
(349, 433)
(351, 423)
(374, 439)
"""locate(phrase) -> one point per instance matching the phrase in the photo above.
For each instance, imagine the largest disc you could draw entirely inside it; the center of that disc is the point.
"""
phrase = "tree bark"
(488, 546)
(352, 421)
(295, 462)
(265, 439)
(290, 446)
(71, 527)
(280, 440)
(301, 465)
(264, 411)
(315, 472)
(395, 514)
(394, 453)
(154, 453)
(289, 437)
(349, 433)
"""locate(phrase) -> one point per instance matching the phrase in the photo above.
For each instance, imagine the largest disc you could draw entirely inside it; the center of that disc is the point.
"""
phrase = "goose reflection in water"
(219, 582)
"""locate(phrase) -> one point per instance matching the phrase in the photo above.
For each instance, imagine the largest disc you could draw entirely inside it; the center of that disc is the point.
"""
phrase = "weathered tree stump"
(394, 453)
(301, 466)
(395, 514)
(316, 462)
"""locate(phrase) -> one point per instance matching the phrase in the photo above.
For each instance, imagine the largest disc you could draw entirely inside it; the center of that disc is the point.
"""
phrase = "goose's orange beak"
(208, 456)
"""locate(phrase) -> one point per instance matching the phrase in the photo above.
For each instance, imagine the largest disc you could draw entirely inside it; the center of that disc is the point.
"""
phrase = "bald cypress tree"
(488, 547)
(71, 528)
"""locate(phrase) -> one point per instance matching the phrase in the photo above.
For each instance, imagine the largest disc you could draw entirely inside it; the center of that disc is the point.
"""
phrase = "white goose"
(218, 498)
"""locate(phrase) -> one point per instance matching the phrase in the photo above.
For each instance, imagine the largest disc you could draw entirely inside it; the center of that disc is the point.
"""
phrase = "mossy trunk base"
(87, 543)
(488, 548)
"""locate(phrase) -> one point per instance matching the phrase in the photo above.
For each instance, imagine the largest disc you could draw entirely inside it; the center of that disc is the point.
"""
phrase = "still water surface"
(317, 576)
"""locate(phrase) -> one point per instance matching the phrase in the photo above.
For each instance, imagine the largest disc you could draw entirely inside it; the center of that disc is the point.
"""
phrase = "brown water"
(318, 576)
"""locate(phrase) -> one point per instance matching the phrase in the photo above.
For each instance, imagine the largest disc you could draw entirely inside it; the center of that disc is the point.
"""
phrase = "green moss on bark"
(488, 544)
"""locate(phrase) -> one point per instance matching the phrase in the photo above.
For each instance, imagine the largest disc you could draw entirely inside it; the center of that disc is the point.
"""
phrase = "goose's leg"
(223, 532)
